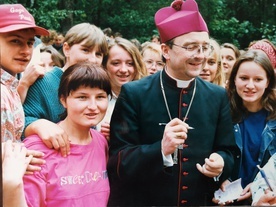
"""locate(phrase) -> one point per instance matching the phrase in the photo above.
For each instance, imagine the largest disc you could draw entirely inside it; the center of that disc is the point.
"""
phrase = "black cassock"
(137, 174)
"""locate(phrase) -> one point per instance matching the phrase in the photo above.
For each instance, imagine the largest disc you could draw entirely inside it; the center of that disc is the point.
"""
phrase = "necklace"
(175, 159)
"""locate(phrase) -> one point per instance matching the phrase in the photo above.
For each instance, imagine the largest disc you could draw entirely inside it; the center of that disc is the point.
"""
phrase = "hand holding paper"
(232, 192)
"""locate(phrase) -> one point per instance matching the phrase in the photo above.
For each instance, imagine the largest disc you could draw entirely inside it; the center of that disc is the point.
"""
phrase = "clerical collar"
(180, 83)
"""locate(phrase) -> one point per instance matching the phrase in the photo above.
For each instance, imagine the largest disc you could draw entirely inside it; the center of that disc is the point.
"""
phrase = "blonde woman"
(212, 71)
(229, 53)
(152, 57)
(84, 42)
(123, 64)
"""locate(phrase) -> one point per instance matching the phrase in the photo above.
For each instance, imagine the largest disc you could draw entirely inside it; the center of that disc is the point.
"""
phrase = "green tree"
(236, 21)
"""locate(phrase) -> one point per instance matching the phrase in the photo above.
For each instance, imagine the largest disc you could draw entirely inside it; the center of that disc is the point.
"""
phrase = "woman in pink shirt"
(81, 178)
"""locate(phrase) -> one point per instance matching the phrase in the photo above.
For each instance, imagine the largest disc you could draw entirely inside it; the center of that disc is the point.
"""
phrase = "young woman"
(80, 179)
(152, 57)
(212, 71)
(50, 57)
(252, 99)
(268, 47)
(83, 43)
(228, 55)
(123, 64)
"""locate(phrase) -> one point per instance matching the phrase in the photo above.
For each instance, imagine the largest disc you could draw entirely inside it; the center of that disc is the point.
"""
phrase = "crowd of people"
(90, 118)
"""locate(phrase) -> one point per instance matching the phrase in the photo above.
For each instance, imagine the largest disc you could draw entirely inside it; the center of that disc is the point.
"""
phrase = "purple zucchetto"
(180, 18)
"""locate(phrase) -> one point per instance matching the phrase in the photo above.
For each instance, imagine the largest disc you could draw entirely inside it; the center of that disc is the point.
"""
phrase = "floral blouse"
(12, 114)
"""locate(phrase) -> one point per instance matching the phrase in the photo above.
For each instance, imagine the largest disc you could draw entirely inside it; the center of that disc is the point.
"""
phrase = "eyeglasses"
(159, 65)
(195, 49)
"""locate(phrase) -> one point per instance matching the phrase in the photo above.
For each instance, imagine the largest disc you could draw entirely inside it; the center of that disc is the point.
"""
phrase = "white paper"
(232, 192)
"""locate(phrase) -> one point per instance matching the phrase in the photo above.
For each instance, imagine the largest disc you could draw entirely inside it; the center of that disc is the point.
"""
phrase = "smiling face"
(59, 40)
(251, 82)
(47, 61)
(120, 67)
(19, 47)
(210, 68)
(85, 106)
(182, 64)
(228, 59)
(153, 61)
(82, 53)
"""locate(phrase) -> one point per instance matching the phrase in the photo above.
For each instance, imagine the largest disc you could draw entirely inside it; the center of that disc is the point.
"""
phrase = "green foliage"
(268, 32)
(49, 16)
(236, 21)
(239, 32)
(133, 19)
(50, 19)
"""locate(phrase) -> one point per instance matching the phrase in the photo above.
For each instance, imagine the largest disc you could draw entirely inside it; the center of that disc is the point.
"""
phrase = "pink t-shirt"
(78, 180)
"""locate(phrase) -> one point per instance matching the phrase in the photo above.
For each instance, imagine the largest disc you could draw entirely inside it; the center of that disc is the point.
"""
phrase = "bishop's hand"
(175, 134)
(213, 166)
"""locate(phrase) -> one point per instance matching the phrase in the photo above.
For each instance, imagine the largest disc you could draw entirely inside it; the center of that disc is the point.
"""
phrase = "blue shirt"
(251, 130)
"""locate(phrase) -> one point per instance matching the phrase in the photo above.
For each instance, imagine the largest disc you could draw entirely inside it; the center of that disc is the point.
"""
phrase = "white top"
(109, 111)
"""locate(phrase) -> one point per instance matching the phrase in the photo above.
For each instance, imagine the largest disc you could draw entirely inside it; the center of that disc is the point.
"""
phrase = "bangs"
(99, 43)
(84, 74)
(89, 35)
(83, 78)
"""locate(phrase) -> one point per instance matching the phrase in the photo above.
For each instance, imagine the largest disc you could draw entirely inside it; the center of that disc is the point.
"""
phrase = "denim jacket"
(267, 149)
